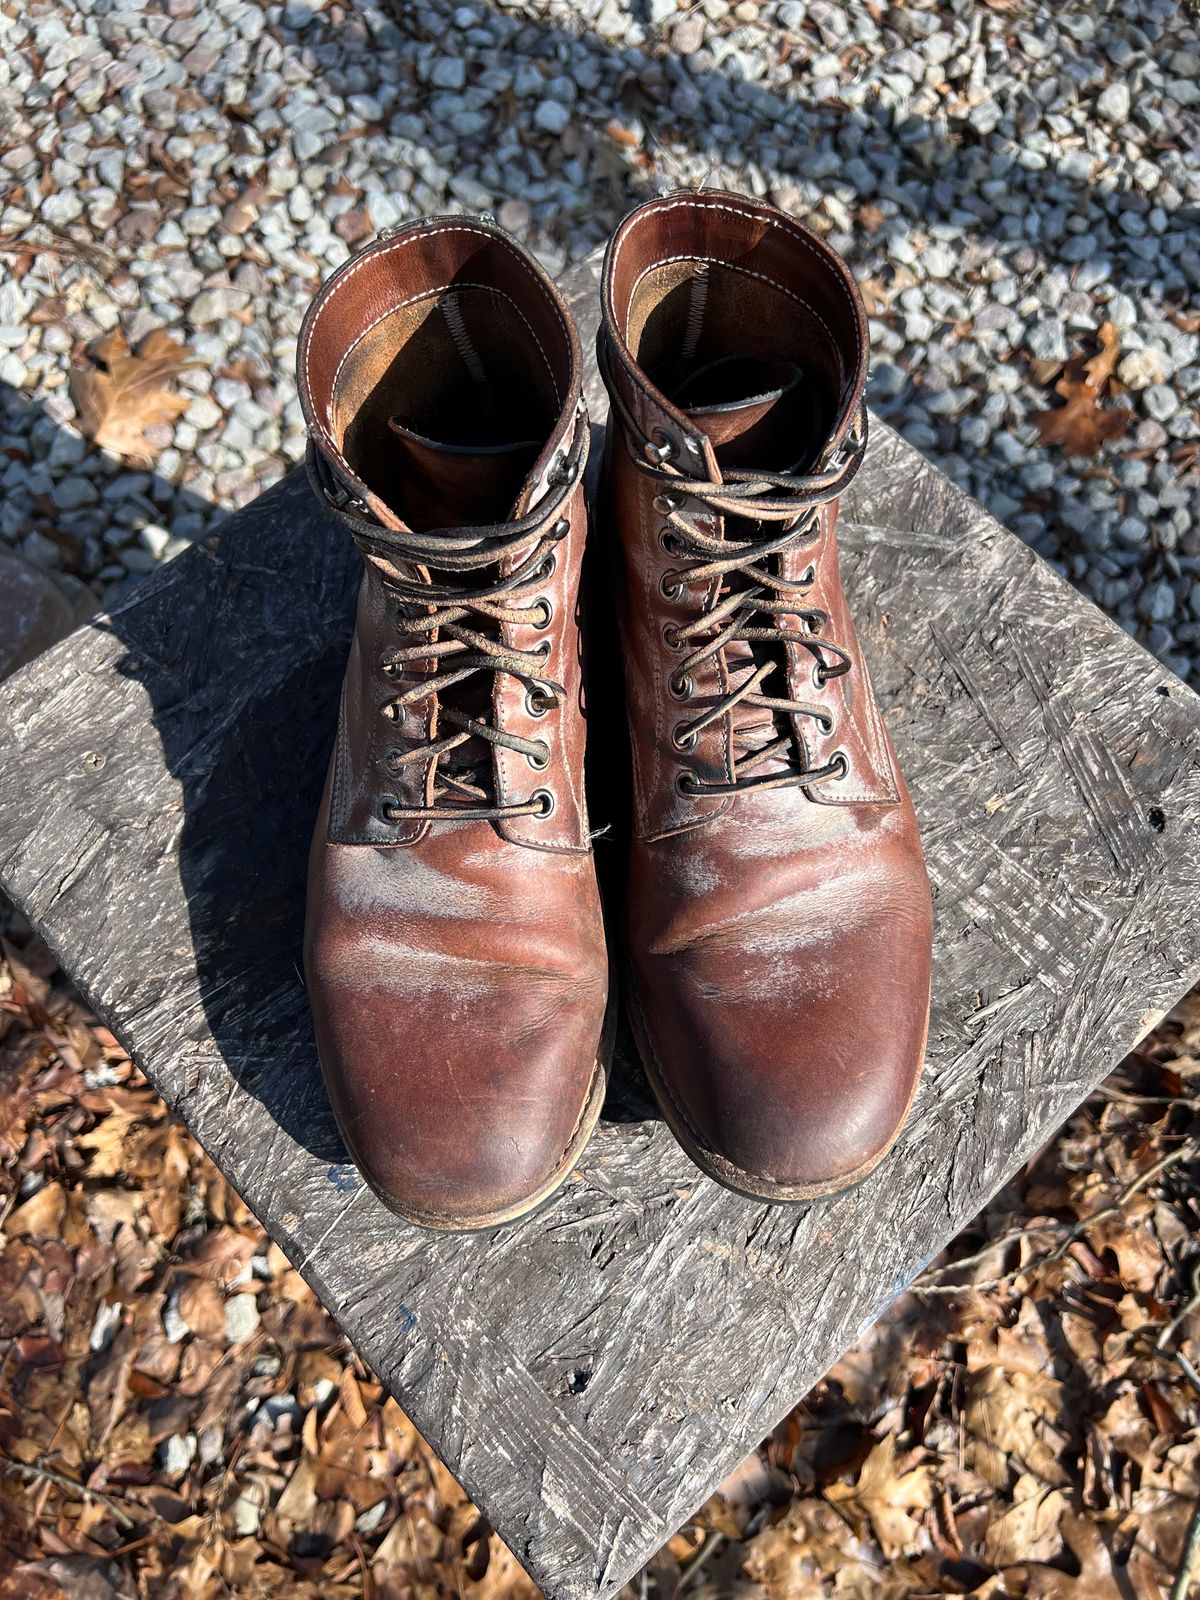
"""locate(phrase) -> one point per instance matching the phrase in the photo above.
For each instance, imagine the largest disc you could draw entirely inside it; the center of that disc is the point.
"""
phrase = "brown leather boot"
(454, 946)
(779, 910)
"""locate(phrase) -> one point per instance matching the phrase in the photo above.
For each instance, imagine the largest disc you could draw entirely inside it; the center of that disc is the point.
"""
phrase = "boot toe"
(458, 1128)
(781, 1086)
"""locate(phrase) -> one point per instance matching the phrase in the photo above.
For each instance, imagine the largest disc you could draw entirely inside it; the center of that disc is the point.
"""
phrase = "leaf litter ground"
(180, 1418)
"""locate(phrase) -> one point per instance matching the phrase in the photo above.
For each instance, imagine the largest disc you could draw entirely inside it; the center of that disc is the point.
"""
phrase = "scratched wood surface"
(591, 1374)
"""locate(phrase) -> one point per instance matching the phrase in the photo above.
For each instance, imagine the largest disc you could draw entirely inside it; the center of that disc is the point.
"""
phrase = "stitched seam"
(412, 300)
(575, 542)
(369, 256)
(881, 755)
(452, 312)
(507, 759)
(698, 302)
(775, 220)
(748, 272)
(640, 798)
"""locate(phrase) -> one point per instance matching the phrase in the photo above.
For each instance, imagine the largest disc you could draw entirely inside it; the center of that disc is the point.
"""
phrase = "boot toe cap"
(457, 1126)
(783, 1087)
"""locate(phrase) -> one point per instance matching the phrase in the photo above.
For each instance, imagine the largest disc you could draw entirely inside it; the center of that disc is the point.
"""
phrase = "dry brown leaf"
(1029, 1529)
(105, 1144)
(1095, 1581)
(1126, 1428)
(41, 1215)
(1011, 1414)
(1083, 424)
(352, 1403)
(1134, 1247)
(885, 1495)
(122, 392)
(202, 1307)
(627, 138)
(1100, 367)
(297, 1505)
(791, 1558)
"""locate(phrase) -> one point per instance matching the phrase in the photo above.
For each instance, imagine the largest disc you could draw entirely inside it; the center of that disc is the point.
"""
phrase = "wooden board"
(590, 1375)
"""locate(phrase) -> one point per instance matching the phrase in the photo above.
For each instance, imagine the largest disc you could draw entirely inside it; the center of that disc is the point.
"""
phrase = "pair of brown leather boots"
(778, 938)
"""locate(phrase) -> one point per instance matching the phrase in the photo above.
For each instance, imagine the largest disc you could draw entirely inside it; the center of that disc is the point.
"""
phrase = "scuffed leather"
(779, 939)
(457, 970)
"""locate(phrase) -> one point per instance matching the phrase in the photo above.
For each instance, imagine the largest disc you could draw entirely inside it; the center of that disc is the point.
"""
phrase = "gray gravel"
(1005, 179)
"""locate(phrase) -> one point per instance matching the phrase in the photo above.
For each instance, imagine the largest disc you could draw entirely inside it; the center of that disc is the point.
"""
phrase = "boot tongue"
(758, 411)
(764, 413)
(459, 485)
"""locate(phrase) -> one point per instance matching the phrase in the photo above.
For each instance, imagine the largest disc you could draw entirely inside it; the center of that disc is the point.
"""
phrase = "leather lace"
(456, 624)
(772, 513)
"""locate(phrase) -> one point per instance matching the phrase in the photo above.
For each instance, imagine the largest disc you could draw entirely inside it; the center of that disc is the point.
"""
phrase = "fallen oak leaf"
(1014, 1413)
(122, 392)
(1096, 1580)
(1083, 424)
(885, 1496)
(1029, 1529)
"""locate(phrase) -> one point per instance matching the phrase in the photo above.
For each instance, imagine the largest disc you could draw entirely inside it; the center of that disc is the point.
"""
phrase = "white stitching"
(773, 218)
(421, 234)
(425, 295)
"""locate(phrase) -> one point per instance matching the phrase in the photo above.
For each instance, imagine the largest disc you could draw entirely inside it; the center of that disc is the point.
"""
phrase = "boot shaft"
(734, 347)
(440, 378)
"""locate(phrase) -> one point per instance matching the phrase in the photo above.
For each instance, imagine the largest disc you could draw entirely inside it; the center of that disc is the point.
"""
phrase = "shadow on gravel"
(892, 175)
(929, 168)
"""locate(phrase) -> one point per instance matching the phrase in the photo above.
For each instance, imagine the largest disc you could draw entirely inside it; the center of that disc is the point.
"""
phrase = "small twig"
(1188, 1370)
(1192, 1102)
(41, 1474)
(1191, 1548)
(708, 1548)
(1167, 1335)
(1075, 1231)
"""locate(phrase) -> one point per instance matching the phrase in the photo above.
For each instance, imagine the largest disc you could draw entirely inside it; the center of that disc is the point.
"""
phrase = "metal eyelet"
(541, 761)
(393, 760)
(809, 576)
(670, 638)
(391, 711)
(680, 685)
(545, 613)
(547, 568)
(545, 801)
(389, 669)
(536, 703)
(819, 678)
(544, 649)
(825, 723)
(669, 543)
(389, 808)
(668, 587)
(561, 528)
(685, 785)
(665, 503)
(838, 760)
(660, 446)
(683, 737)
